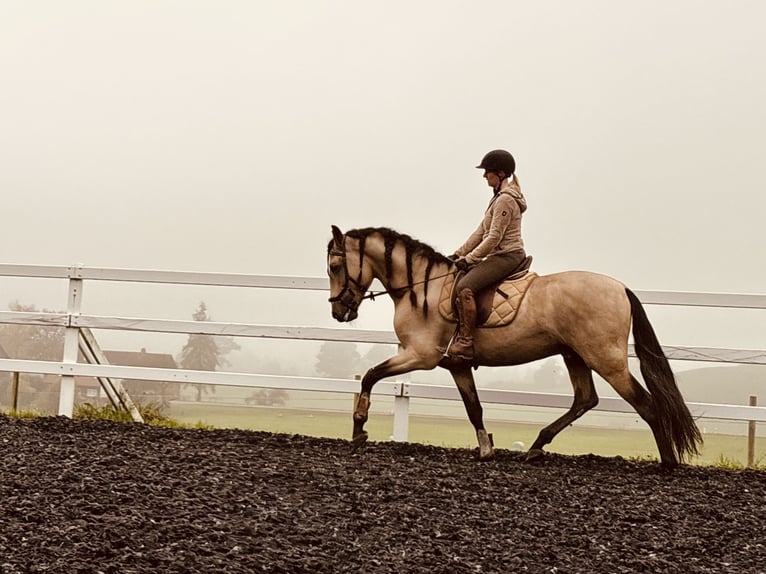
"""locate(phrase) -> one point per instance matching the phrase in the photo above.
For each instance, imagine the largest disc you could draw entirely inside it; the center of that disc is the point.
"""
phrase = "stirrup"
(445, 350)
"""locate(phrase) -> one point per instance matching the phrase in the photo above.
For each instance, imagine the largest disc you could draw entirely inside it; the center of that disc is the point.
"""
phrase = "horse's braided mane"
(412, 247)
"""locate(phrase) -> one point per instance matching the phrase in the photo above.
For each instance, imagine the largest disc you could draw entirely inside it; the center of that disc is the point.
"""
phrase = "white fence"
(72, 320)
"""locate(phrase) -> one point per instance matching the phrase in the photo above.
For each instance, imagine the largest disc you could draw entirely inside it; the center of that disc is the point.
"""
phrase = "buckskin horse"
(584, 317)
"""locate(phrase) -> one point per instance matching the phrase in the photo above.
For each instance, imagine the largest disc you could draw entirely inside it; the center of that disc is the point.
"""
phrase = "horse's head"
(348, 279)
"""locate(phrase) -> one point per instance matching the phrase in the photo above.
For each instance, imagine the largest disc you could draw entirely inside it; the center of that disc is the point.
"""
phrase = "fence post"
(71, 343)
(14, 391)
(402, 414)
(751, 435)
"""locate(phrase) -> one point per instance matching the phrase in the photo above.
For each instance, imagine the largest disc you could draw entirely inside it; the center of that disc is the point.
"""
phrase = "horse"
(585, 317)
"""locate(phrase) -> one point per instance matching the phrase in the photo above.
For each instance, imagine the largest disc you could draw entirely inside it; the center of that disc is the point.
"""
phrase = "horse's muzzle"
(344, 306)
(344, 314)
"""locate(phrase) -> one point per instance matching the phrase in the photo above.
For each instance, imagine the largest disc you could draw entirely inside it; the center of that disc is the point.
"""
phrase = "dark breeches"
(492, 270)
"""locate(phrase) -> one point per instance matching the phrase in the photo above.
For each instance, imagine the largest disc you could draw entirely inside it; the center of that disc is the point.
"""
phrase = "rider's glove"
(462, 264)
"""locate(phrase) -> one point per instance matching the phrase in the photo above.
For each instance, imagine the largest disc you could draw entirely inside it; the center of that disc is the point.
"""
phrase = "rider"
(494, 250)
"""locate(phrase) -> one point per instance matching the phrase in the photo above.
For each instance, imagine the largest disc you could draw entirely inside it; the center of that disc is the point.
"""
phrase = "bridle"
(346, 296)
(351, 303)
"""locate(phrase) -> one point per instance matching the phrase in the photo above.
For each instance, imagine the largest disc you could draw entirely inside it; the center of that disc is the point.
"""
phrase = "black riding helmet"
(498, 160)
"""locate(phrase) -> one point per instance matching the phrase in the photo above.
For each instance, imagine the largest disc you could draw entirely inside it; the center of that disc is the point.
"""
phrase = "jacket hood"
(514, 190)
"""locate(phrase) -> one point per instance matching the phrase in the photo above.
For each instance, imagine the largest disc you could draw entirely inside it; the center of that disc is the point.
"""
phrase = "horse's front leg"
(361, 410)
(467, 387)
(404, 362)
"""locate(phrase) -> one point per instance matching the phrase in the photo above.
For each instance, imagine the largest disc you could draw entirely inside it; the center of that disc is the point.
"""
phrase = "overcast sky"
(228, 136)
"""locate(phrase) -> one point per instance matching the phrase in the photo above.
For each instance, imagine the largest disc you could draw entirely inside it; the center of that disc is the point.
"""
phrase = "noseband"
(346, 296)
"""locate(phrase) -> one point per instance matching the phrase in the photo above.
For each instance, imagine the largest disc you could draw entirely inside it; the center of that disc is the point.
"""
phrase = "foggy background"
(229, 136)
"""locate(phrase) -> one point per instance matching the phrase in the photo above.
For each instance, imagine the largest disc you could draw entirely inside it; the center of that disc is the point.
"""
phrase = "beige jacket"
(500, 230)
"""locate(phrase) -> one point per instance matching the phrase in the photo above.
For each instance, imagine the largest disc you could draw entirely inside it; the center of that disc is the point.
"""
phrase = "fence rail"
(675, 352)
(73, 320)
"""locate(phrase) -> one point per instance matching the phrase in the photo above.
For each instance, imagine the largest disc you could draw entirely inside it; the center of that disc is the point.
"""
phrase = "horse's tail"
(675, 420)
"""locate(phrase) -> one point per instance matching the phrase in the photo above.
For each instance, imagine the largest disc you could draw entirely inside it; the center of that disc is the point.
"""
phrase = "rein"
(372, 294)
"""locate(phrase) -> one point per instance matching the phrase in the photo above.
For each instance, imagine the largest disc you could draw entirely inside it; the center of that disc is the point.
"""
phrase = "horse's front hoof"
(358, 441)
(534, 455)
(486, 455)
(486, 452)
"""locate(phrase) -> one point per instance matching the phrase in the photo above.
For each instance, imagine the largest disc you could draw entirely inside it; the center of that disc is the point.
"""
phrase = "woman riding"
(493, 251)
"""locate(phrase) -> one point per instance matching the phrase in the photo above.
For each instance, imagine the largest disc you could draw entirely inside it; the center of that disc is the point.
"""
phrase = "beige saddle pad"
(505, 302)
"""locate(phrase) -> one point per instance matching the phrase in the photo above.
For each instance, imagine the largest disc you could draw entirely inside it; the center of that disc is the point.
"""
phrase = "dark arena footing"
(98, 496)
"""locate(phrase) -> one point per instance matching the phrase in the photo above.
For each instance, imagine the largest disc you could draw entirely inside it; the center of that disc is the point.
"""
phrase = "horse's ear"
(337, 235)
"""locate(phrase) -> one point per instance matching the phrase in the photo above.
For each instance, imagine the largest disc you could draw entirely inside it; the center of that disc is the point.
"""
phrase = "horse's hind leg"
(467, 387)
(585, 398)
(640, 399)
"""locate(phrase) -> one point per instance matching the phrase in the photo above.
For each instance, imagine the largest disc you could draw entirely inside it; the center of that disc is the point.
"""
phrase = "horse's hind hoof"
(535, 455)
(358, 441)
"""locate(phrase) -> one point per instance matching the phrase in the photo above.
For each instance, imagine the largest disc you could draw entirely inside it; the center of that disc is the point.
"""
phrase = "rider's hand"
(453, 257)
(462, 264)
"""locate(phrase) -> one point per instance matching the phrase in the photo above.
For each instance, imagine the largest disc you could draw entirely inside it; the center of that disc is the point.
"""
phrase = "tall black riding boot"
(462, 346)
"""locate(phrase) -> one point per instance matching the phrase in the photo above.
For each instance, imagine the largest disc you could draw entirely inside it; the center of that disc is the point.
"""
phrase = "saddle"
(497, 304)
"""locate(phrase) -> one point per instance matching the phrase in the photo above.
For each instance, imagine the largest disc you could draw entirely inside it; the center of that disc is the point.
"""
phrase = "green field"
(457, 432)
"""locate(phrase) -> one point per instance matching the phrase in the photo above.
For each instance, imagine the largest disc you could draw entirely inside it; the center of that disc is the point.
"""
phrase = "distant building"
(88, 389)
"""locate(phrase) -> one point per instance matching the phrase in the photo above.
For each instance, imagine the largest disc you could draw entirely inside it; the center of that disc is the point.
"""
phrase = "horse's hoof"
(485, 456)
(534, 455)
(486, 452)
(358, 441)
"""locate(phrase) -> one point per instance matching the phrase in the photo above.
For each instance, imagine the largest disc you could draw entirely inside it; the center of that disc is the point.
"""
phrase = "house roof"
(141, 359)
(131, 359)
